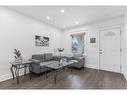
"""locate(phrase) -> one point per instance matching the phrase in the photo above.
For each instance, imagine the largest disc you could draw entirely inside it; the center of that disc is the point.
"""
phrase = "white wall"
(18, 31)
(125, 47)
(92, 30)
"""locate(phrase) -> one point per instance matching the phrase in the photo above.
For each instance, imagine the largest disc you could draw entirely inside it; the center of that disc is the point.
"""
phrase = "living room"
(22, 26)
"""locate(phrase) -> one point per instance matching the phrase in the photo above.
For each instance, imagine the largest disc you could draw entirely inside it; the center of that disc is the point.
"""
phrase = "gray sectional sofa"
(39, 60)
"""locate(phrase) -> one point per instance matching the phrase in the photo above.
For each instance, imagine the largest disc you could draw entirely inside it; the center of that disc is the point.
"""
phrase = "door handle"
(100, 52)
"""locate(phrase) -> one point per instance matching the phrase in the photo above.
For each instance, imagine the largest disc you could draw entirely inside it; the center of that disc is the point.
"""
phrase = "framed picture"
(41, 41)
(92, 40)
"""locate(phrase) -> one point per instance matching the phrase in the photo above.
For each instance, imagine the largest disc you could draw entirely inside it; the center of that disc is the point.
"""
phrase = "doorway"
(78, 43)
(110, 50)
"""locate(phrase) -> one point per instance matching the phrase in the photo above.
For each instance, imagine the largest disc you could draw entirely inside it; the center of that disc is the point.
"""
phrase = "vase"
(18, 60)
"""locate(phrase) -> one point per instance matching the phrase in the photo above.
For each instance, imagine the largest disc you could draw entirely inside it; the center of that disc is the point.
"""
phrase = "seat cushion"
(48, 56)
(48, 62)
(39, 57)
(76, 55)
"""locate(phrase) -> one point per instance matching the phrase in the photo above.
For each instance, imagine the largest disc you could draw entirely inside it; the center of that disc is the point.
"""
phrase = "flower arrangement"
(60, 50)
(17, 54)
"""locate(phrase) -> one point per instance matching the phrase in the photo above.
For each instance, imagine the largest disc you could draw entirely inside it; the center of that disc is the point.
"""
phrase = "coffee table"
(57, 66)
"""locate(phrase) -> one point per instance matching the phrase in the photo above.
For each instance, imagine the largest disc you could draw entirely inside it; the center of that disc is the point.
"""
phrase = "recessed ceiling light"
(76, 22)
(62, 11)
(47, 17)
(64, 26)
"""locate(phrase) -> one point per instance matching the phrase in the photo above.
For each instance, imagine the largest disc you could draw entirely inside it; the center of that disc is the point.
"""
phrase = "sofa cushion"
(42, 57)
(39, 57)
(48, 56)
(35, 61)
(57, 58)
(48, 62)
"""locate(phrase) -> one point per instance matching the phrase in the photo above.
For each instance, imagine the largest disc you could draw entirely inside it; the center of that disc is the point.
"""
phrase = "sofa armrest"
(81, 58)
(80, 63)
(78, 58)
(35, 66)
(35, 61)
(74, 58)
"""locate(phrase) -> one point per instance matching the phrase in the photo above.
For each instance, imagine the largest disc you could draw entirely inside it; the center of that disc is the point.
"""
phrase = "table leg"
(25, 67)
(29, 71)
(11, 69)
(70, 69)
(30, 67)
(45, 73)
(55, 76)
(17, 74)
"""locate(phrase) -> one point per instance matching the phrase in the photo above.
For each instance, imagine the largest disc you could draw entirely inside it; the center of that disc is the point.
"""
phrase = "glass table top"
(21, 62)
(58, 65)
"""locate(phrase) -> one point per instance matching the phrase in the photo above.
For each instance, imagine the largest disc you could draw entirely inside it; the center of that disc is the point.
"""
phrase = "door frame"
(120, 44)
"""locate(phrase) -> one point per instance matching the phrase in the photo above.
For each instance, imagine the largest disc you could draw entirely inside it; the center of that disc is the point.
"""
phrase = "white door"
(110, 50)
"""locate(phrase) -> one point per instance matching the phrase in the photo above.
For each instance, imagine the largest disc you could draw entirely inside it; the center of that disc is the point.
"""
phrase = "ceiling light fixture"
(62, 11)
(47, 17)
(64, 26)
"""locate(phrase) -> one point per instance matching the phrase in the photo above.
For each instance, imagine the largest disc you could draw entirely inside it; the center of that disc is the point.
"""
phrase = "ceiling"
(64, 17)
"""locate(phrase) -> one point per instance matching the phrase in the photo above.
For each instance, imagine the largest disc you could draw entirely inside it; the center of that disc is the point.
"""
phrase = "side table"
(16, 66)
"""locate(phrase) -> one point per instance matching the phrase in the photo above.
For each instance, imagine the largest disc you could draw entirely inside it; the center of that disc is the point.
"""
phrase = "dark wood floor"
(78, 79)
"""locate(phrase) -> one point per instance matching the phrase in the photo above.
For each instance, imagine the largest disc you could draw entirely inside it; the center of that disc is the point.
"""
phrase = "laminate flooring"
(77, 79)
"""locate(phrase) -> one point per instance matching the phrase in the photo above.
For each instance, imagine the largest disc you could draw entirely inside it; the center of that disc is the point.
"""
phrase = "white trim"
(9, 76)
(110, 26)
(91, 66)
(5, 77)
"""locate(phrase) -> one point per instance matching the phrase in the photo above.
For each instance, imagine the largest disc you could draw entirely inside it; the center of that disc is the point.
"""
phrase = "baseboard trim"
(9, 76)
(125, 76)
(91, 66)
(5, 77)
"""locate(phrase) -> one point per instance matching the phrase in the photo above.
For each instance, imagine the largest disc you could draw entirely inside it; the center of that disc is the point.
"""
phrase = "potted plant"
(18, 56)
